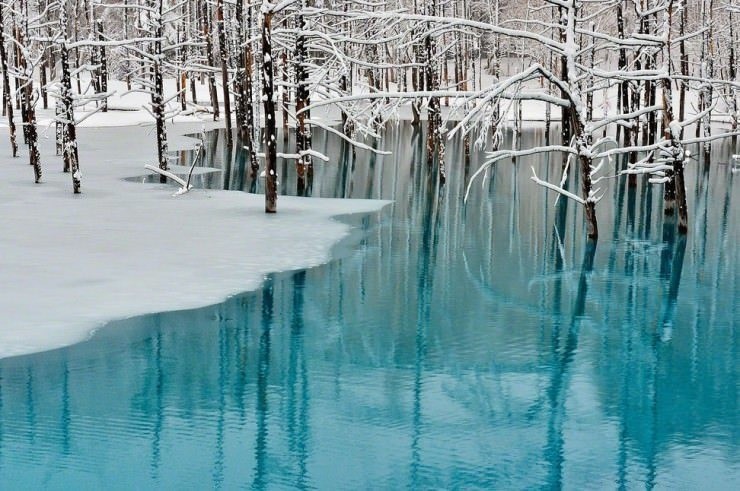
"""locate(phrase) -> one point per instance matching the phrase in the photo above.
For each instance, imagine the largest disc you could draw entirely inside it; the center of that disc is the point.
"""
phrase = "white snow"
(72, 263)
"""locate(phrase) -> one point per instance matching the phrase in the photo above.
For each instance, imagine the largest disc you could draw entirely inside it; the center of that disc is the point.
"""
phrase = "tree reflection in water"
(448, 345)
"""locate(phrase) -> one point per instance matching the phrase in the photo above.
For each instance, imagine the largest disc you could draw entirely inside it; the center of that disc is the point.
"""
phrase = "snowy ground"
(71, 263)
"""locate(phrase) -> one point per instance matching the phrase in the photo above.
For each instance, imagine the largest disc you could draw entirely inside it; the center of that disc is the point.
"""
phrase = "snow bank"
(72, 263)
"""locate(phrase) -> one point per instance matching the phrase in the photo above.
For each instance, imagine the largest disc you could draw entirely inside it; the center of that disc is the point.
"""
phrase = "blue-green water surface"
(447, 346)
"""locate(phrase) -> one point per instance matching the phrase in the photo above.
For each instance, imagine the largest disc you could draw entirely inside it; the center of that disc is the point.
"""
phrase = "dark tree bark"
(29, 103)
(684, 64)
(71, 158)
(435, 141)
(624, 93)
(269, 104)
(103, 83)
(417, 77)
(675, 187)
(565, 119)
(158, 105)
(224, 52)
(205, 20)
(240, 96)
(249, 96)
(284, 74)
(304, 165)
(7, 100)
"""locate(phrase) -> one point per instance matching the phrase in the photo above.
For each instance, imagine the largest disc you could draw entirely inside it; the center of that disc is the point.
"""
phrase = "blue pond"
(446, 346)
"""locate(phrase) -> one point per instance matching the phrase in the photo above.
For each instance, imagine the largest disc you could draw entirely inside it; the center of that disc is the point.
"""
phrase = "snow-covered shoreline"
(71, 264)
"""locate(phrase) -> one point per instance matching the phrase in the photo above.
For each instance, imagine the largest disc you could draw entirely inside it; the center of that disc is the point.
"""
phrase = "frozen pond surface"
(447, 346)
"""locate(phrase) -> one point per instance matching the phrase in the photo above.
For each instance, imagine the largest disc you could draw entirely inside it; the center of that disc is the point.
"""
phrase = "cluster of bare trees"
(466, 66)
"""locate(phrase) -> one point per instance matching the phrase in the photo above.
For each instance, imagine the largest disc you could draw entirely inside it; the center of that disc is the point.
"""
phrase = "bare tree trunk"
(240, 97)
(565, 119)
(71, 158)
(28, 98)
(126, 66)
(205, 19)
(286, 88)
(435, 141)
(624, 93)
(103, 64)
(248, 95)
(416, 76)
(304, 165)
(7, 101)
(223, 49)
(684, 64)
(269, 104)
(733, 76)
(158, 108)
(708, 75)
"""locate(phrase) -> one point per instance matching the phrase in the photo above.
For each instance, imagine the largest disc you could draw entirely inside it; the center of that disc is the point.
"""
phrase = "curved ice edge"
(341, 247)
(54, 332)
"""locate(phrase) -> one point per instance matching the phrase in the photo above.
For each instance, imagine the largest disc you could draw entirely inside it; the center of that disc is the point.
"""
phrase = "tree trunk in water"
(304, 165)
(239, 59)
(624, 102)
(675, 187)
(565, 119)
(435, 141)
(223, 49)
(248, 96)
(684, 65)
(206, 27)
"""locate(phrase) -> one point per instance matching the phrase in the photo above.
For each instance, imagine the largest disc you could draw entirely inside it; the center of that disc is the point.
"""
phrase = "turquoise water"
(446, 346)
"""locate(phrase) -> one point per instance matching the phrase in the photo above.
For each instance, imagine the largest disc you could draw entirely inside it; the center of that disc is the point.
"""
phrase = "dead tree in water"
(158, 103)
(240, 60)
(153, 61)
(304, 164)
(224, 52)
(205, 20)
(249, 133)
(435, 139)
